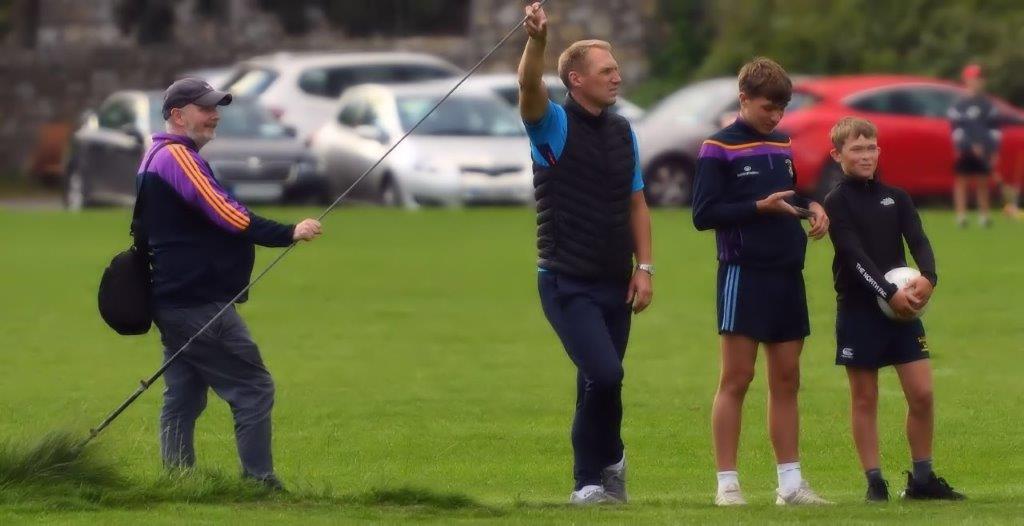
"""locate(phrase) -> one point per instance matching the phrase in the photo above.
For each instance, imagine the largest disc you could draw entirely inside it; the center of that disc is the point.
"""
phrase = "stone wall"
(624, 23)
(80, 57)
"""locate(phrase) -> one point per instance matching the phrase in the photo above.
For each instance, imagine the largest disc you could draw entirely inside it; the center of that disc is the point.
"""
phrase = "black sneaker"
(935, 488)
(270, 483)
(878, 491)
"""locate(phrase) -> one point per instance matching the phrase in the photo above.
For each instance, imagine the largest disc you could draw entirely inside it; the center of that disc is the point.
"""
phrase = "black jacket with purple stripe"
(735, 168)
(201, 240)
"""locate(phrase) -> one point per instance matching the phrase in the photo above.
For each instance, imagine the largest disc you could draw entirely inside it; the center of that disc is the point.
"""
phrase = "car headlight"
(302, 169)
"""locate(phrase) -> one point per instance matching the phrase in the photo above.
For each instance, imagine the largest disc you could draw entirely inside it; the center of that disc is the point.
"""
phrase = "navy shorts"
(971, 165)
(866, 338)
(768, 305)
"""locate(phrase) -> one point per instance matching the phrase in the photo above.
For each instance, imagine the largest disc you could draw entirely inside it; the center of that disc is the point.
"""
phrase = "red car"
(914, 134)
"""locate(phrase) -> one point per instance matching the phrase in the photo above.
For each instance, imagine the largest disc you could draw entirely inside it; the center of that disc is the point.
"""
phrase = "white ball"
(901, 277)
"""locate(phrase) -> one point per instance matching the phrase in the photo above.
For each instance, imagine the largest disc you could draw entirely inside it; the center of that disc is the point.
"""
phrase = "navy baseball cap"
(191, 90)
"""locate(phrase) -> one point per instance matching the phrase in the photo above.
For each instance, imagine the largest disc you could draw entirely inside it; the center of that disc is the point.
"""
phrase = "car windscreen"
(243, 119)
(246, 119)
(460, 115)
(250, 82)
(801, 100)
(699, 103)
(330, 82)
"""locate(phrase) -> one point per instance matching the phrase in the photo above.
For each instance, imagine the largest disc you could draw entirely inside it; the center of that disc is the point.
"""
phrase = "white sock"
(725, 478)
(789, 476)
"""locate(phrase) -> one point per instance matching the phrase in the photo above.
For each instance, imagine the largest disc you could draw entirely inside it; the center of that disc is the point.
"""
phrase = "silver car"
(671, 133)
(301, 89)
(473, 149)
(253, 156)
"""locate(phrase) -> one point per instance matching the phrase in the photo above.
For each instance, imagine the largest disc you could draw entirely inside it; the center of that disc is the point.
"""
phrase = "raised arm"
(533, 96)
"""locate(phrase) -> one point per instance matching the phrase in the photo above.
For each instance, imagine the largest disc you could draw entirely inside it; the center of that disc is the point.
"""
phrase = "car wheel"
(390, 195)
(75, 190)
(831, 176)
(669, 182)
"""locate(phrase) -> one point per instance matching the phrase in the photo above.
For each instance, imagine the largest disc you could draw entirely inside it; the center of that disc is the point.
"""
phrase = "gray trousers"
(224, 358)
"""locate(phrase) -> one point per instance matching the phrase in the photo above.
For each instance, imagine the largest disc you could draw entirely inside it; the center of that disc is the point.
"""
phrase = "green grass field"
(418, 381)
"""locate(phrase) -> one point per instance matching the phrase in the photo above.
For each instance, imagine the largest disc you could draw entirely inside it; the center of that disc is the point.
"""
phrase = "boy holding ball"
(869, 222)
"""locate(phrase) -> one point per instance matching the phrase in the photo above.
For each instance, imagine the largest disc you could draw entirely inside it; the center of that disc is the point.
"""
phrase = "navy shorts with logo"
(866, 338)
(768, 305)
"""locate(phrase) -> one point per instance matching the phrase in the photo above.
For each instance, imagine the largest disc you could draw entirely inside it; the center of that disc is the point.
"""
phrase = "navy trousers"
(224, 359)
(591, 318)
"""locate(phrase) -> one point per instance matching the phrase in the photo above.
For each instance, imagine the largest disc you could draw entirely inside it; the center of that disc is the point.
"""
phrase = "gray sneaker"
(614, 480)
(590, 495)
(802, 496)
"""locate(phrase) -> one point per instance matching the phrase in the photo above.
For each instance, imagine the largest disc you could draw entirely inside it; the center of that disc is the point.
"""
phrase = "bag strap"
(137, 230)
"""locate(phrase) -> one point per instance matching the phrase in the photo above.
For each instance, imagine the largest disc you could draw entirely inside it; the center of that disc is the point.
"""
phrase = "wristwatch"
(646, 267)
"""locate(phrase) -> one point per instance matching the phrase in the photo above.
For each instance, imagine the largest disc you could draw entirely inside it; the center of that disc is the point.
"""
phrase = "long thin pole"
(145, 384)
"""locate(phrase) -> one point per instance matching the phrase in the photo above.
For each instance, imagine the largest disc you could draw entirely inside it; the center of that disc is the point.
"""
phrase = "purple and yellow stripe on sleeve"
(728, 152)
(218, 205)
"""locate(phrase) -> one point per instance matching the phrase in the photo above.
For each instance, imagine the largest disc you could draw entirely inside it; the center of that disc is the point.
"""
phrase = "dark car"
(254, 157)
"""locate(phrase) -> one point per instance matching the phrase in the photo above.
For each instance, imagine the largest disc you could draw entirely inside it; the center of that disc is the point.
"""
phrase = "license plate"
(490, 193)
(256, 191)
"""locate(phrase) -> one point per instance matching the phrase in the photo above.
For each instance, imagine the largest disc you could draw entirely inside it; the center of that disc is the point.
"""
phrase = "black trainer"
(878, 491)
(935, 488)
(270, 483)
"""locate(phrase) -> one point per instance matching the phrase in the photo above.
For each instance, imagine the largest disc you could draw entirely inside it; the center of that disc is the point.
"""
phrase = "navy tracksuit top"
(736, 167)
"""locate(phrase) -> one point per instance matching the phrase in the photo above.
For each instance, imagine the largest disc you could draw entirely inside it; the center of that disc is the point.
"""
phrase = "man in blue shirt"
(592, 221)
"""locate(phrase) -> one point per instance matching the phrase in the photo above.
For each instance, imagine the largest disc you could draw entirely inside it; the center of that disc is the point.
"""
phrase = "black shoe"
(878, 491)
(270, 483)
(935, 488)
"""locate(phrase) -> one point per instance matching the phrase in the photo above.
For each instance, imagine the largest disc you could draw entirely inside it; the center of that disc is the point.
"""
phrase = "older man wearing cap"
(201, 247)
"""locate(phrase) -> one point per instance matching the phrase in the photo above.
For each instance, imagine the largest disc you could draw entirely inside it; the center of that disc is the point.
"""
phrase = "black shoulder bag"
(124, 293)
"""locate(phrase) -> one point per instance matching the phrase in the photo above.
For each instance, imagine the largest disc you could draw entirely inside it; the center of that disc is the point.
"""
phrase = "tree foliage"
(926, 37)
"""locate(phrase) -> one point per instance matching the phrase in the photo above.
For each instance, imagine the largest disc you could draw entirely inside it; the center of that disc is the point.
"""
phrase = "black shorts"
(969, 164)
(866, 338)
(768, 305)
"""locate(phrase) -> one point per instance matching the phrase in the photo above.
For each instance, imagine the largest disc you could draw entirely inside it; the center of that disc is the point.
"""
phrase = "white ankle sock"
(726, 478)
(789, 476)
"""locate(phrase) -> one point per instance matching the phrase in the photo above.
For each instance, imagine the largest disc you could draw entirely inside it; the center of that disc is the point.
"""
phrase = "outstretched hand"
(307, 230)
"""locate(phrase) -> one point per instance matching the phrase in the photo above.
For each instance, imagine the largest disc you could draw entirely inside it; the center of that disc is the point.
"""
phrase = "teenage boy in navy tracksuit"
(744, 190)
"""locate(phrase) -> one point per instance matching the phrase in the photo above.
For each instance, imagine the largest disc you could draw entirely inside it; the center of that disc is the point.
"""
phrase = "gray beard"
(199, 139)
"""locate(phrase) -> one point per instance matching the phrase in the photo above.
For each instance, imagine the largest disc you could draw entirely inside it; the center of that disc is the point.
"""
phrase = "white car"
(301, 89)
(213, 76)
(472, 150)
(506, 85)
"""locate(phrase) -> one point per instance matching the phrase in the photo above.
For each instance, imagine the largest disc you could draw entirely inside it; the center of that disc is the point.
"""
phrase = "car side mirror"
(133, 131)
(371, 132)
